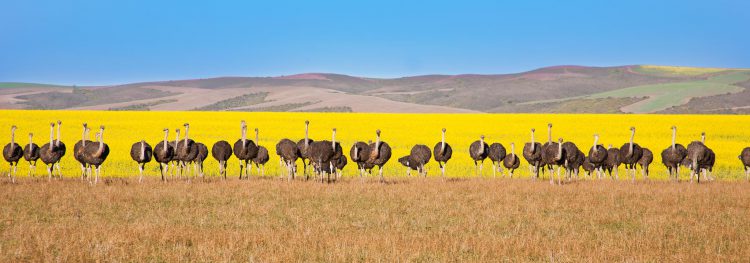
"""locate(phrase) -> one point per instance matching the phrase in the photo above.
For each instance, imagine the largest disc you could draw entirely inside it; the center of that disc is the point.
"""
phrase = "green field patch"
(663, 96)
(13, 85)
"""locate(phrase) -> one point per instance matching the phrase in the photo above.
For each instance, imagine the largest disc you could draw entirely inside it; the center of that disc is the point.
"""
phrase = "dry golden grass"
(269, 220)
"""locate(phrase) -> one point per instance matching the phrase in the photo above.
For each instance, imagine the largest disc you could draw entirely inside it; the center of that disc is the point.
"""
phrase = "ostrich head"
(703, 137)
(59, 123)
(609, 146)
(166, 136)
(596, 141)
(256, 136)
(549, 132)
(51, 134)
(442, 142)
(674, 136)
(632, 135)
(307, 137)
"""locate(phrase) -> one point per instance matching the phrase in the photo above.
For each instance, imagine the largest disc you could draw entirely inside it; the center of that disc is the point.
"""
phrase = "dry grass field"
(422, 220)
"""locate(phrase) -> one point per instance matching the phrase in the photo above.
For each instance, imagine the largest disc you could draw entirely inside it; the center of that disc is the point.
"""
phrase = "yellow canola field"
(726, 135)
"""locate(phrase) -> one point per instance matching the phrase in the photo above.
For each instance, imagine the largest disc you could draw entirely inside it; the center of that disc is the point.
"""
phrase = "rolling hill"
(627, 89)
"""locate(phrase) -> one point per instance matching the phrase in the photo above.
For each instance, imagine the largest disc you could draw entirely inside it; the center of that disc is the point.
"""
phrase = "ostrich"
(31, 153)
(359, 153)
(511, 161)
(673, 155)
(261, 158)
(52, 152)
(588, 167)
(745, 158)
(339, 163)
(245, 150)
(442, 152)
(698, 155)
(95, 154)
(186, 151)
(417, 158)
(141, 153)
(645, 161)
(200, 157)
(708, 164)
(571, 161)
(288, 153)
(532, 152)
(12, 152)
(478, 151)
(175, 163)
(79, 149)
(553, 154)
(60, 148)
(630, 154)
(497, 155)
(303, 146)
(613, 161)
(163, 154)
(597, 157)
(222, 151)
(380, 153)
(322, 154)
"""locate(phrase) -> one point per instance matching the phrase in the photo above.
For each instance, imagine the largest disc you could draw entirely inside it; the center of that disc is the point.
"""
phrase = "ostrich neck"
(166, 135)
(12, 139)
(377, 143)
(630, 148)
(481, 146)
(532, 141)
(306, 135)
(703, 138)
(256, 137)
(442, 144)
(596, 140)
(58, 135)
(549, 134)
(83, 137)
(244, 137)
(176, 140)
(333, 141)
(101, 145)
(51, 137)
(31, 140)
(513, 150)
(143, 150)
(559, 151)
(356, 152)
(186, 136)
(674, 134)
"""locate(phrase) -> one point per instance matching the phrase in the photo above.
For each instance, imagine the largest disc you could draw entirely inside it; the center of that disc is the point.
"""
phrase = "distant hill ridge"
(556, 89)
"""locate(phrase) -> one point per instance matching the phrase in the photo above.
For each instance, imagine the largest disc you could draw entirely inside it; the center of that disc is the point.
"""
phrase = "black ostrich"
(222, 152)
(497, 155)
(673, 155)
(60, 149)
(186, 151)
(141, 153)
(79, 149)
(417, 158)
(163, 154)
(52, 152)
(200, 157)
(12, 152)
(553, 154)
(588, 167)
(303, 146)
(288, 153)
(613, 161)
(698, 157)
(261, 158)
(571, 159)
(478, 151)
(597, 157)
(745, 159)
(380, 153)
(359, 153)
(532, 152)
(578, 163)
(31, 153)
(511, 161)
(442, 152)
(704, 165)
(322, 154)
(96, 153)
(245, 150)
(630, 154)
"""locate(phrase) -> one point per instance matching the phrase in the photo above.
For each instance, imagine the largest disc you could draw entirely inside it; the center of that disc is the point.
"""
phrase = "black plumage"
(418, 157)
(50, 153)
(288, 154)
(31, 153)
(630, 154)
(673, 155)
(12, 152)
(186, 150)
(200, 157)
(532, 152)
(262, 157)
(699, 157)
(571, 158)
(478, 151)
(597, 157)
(163, 153)
(79, 150)
(96, 153)
(360, 153)
(322, 154)
(497, 155)
(613, 161)
(380, 153)
(245, 150)
(511, 161)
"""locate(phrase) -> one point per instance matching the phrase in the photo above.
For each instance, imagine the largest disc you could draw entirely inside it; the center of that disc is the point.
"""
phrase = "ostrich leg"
(140, 169)
(442, 170)
(59, 169)
(551, 175)
(747, 174)
(382, 180)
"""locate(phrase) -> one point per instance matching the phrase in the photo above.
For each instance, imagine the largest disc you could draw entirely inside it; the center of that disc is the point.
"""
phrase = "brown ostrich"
(380, 153)
(141, 153)
(478, 151)
(163, 154)
(51, 153)
(511, 162)
(96, 153)
(261, 158)
(698, 157)
(497, 155)
(417, 158)
(12, 152)
(322, 154)
(673, 155)
(571, 159)
(303, 146)
(360, 153)
(630, 154)
(597, 157)
(186, 152)
(222, 152)
(442, 152)
(532, 152)
(31, 153)
(552, 154)
(745, 159)
(613, 161)
(200, 158)
(245, 150)
(79, 148)
(288, 153)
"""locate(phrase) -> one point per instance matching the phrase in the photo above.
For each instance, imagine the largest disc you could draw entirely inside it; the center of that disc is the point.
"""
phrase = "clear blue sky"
(102, 42)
